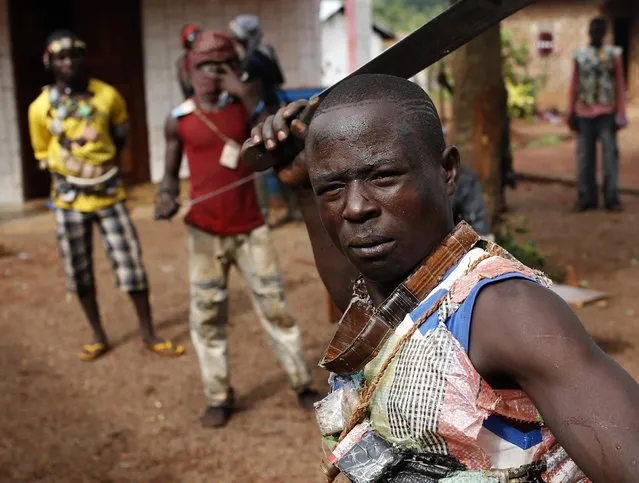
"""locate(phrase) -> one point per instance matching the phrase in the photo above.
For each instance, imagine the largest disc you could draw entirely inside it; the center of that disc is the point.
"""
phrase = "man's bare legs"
(140, 298)
(142, 306)
(89, 303)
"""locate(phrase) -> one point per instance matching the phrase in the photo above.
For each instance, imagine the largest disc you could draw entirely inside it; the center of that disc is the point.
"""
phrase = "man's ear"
(450, 167)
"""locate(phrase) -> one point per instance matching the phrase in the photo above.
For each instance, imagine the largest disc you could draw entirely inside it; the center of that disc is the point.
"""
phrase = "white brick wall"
(10, 162)
(291, 26)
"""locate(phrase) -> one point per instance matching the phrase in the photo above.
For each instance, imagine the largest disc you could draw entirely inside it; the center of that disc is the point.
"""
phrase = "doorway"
(114, 55)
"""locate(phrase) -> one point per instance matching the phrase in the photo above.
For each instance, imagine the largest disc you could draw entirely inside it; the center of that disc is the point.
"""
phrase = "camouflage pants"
(210, 259)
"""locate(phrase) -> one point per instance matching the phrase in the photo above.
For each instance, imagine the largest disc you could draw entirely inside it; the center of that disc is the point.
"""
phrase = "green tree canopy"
(404, 16)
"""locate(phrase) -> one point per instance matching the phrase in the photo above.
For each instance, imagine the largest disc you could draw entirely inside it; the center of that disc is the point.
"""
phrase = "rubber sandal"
(166, 348)
(93, 351)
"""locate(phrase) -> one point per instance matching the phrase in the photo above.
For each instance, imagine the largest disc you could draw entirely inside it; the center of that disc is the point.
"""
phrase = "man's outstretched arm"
(526, 333)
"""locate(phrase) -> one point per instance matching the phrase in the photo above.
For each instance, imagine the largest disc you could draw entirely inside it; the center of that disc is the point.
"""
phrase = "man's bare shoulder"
(183, 109)
(515, 319)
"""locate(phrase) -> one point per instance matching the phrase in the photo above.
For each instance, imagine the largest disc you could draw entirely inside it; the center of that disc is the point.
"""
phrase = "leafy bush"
(526, 251)
(521, 86)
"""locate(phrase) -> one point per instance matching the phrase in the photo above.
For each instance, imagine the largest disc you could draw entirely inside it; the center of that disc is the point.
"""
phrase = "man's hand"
(573, 123)
(166, 206)
(279, 140)
(230, 82)
(621, 122)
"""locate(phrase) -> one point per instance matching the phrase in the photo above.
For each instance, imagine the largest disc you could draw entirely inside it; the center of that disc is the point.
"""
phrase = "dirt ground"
(133, 416)
(546, 157)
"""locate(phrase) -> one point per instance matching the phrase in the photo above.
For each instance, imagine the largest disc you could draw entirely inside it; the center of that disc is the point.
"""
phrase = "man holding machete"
(415, 394)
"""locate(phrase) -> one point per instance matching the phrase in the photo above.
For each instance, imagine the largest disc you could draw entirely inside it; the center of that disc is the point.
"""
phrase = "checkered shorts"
(75, 238)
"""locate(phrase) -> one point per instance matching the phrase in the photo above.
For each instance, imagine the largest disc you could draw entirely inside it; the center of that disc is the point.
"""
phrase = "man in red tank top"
(227, 228)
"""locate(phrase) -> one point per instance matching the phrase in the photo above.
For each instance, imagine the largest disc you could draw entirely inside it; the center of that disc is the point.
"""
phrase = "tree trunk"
(478, 114)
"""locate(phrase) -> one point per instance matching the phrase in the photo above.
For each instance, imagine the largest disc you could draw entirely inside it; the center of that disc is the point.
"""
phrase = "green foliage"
(522, 87)
(512, 237)
(546, 141)
(522, 99)
(404, 16)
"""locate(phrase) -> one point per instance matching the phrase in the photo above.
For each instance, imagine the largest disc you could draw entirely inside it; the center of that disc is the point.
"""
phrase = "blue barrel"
(291, 95)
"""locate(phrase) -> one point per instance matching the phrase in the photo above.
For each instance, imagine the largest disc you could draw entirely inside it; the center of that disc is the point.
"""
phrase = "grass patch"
(546, 141)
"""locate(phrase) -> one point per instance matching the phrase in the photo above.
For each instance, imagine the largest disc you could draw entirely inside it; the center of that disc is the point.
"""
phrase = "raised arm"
(277, 142)
(166, 205)
(586, 399)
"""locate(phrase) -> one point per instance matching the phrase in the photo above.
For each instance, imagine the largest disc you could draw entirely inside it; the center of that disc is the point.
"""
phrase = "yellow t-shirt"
(109, 111)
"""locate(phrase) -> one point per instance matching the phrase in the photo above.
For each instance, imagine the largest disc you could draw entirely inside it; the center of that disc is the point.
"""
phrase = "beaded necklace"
(66, 105)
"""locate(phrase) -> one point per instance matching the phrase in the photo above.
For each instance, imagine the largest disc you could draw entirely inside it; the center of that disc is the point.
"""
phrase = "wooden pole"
(477, 114)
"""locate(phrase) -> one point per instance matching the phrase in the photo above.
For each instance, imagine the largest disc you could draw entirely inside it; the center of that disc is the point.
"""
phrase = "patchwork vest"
(432, 402)
(597, 74)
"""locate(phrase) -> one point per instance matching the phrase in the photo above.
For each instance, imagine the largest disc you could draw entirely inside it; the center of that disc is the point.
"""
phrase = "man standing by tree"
(228, 228)
(597, 110)
(78, 128)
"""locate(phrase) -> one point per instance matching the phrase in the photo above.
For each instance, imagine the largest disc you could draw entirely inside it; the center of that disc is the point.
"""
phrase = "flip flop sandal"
(92, 352)
(166, 348)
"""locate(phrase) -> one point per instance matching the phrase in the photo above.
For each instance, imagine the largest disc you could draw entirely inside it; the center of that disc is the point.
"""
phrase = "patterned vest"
(597, 74)
(431, 401)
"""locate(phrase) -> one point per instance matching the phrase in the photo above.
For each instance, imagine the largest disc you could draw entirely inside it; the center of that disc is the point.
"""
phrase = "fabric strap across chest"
(363, 330)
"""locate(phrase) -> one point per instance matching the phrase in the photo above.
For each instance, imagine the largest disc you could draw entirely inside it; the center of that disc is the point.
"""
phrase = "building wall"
(10, 160)
(363, 34)
(335, 64)
(291, 26)
(334, 52)
(633, 62)
(568, 21)
(376, 44)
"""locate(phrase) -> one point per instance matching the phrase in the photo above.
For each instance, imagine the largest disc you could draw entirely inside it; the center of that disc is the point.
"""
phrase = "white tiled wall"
(291, 26)
(10, 163)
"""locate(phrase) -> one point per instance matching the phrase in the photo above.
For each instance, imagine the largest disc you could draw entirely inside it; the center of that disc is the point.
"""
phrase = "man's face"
(67, 64)
(212, 72)
(597, 33)
(382, 196)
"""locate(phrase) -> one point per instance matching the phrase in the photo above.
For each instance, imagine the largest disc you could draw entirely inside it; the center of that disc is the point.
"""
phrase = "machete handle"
(258, 158)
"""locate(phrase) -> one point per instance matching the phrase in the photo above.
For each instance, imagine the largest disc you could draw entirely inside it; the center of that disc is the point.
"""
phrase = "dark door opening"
(622, 39)
(114, 40)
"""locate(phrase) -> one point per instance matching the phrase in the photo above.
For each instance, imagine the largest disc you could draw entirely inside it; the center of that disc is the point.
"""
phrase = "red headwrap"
(188, 35)
(210, 46)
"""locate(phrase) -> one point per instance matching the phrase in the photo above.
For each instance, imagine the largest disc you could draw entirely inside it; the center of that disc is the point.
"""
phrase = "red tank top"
(236, 210)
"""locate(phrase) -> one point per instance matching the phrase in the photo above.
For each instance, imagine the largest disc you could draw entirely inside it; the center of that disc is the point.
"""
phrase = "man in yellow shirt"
(78, 128)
